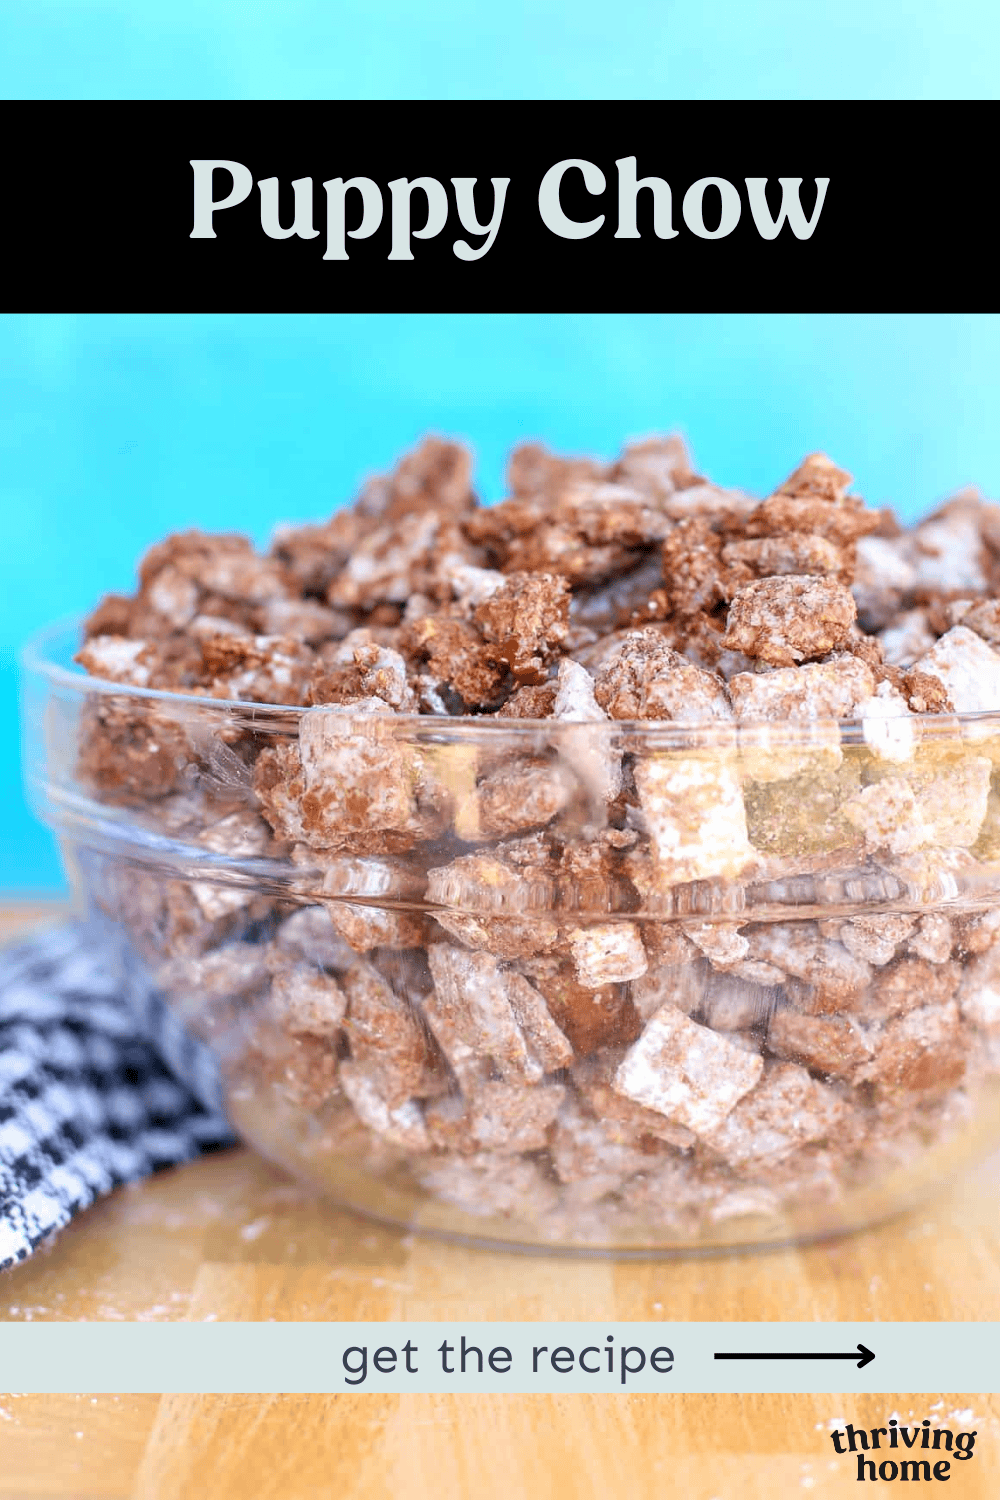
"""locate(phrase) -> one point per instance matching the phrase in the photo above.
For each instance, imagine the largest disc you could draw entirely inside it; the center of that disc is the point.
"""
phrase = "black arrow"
(866, 1356)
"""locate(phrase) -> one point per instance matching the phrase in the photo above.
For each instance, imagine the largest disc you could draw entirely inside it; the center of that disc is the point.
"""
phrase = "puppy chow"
(789, 619)
(386, 1037)
(685, 1071)
(305, 1000)
(498, 1116)
(694, 813)
(786, 1109)
(590, 1019)
(833, 1046)
(607, 953)
(645, 679)
(402, 1125)
(701, 934)
(834, 689)
(475, 1022)
(967, 668)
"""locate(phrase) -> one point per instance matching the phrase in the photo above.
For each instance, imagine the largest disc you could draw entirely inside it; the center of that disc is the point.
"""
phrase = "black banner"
(497, 207)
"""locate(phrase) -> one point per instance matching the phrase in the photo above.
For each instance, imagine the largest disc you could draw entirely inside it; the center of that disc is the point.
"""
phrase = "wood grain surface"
(368, 1447)
(229, 1237)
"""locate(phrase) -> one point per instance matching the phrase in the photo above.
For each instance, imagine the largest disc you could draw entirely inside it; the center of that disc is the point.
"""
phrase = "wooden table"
(229, 1237)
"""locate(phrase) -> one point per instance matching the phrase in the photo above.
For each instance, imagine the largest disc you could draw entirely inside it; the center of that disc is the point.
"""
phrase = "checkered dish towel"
(94, 1092)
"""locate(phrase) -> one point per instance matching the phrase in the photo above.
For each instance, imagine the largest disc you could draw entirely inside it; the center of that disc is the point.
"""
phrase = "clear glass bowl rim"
(37, 659)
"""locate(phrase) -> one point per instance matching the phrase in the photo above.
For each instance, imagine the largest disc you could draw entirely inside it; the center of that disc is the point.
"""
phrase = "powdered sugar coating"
(686, 1072)
(835, 689)
(115, 658)
(607, 953)
(967, 667)
(694, 812)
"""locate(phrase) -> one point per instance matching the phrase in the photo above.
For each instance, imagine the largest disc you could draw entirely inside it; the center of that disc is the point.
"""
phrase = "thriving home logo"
(895, 1436)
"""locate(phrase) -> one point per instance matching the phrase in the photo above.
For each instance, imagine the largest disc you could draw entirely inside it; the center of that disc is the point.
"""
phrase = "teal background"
(116, 429)
(521, 49)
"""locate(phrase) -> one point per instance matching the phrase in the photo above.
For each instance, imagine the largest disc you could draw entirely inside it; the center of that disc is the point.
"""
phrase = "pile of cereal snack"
(618, 861)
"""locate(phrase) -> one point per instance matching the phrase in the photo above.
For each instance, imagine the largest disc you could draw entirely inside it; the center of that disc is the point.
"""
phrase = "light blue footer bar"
(208, 1357)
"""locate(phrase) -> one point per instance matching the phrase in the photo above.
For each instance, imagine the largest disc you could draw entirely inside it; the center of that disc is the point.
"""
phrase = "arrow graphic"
(866, 1356)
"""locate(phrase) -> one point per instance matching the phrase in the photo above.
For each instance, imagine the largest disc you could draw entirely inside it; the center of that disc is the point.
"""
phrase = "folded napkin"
(94, 1093)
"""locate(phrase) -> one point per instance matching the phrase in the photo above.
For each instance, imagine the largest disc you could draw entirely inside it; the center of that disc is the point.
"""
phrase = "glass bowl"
(621, 987)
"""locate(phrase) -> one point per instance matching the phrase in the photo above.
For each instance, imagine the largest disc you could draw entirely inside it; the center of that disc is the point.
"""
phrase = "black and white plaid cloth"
(94, 1092)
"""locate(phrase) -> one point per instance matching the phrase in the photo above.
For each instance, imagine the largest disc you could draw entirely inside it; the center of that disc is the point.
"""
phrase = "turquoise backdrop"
(522, 49)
